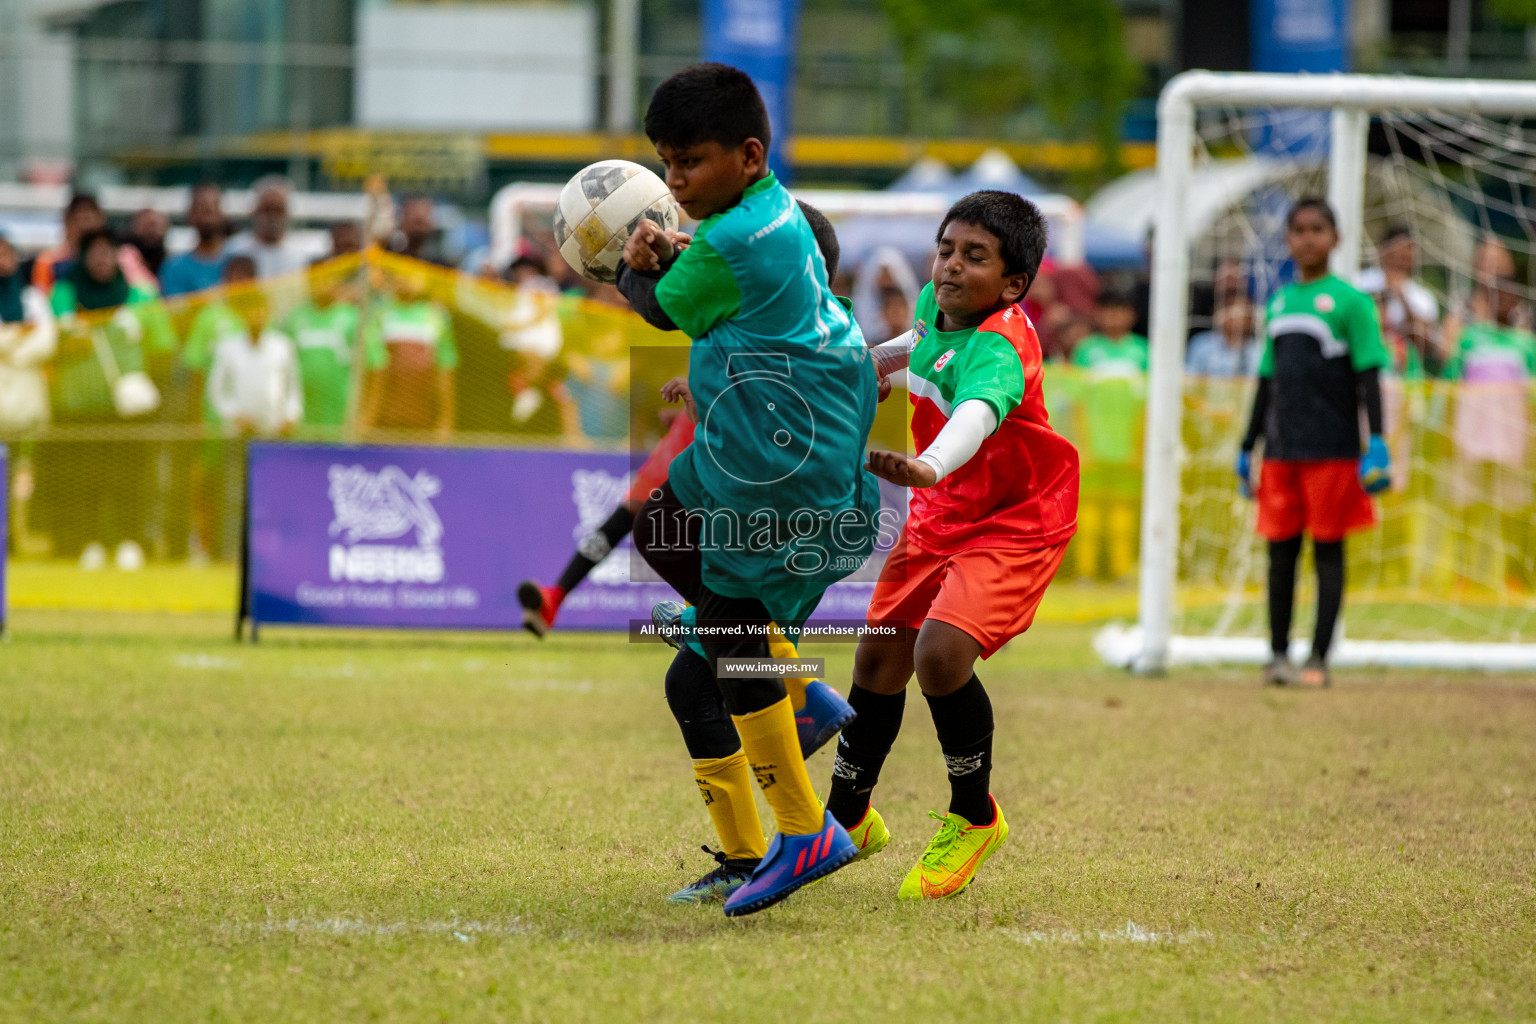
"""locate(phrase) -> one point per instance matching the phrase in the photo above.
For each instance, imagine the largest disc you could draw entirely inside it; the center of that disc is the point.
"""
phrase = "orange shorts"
(653, 473)
(991, 593)
(1322, 497)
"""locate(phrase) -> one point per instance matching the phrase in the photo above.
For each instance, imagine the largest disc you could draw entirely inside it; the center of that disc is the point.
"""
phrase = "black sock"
(695, 702)
(861, 751)
(963, 720)
(1329, 558)
(595, 547)
(1282, 592)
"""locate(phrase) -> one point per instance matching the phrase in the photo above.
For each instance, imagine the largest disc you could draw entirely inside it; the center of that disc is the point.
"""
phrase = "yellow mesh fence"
(138, 464)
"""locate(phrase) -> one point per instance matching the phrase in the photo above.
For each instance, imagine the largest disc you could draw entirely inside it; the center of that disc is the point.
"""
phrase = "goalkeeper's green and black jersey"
(1321, 336)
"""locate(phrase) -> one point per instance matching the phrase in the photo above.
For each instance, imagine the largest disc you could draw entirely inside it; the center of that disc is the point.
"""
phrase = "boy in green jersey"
(412, 357)
(209, 477)
(324, 330)
(1321, 367)
(1113, 362)
(771, 503)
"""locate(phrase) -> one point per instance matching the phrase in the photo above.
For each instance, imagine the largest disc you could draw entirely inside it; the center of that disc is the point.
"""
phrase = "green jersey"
(410, 343)
(1112, 357)
(131, 334)
(1491, 354)
(1319, 337)
(324, 338)
(786, 395)
(1113, 395)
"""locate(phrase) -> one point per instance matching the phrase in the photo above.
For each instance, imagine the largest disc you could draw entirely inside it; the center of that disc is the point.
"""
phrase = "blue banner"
(1292, 36)
(759, 37)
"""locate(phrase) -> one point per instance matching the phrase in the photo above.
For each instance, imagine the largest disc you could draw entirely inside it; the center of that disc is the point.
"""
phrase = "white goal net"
(1433, 184)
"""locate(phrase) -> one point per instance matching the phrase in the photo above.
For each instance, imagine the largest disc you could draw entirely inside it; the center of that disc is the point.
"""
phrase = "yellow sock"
(771, 744)
(779, 646)
(725, 783)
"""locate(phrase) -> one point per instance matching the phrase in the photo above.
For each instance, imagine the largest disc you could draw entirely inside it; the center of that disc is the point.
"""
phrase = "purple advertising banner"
(439, 538)
(5, 526)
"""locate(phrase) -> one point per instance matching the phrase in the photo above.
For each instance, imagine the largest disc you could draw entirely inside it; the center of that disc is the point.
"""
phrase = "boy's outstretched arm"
(972, 423)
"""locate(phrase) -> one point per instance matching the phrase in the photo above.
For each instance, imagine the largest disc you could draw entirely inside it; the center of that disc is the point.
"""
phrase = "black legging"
(1328, 557)
(667, 537)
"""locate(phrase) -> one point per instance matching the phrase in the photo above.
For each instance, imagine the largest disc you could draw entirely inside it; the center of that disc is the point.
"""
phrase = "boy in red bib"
(994, 502)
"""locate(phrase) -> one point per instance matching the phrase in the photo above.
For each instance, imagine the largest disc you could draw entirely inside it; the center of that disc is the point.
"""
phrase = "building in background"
(457, 98)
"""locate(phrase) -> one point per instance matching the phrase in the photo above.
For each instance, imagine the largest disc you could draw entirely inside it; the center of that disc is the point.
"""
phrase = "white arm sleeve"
(892, 355)
(972, 423)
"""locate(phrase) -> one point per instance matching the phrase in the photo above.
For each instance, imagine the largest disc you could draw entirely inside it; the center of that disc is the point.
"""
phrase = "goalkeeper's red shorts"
(990, 593)
(1322, 497)
(653, 473)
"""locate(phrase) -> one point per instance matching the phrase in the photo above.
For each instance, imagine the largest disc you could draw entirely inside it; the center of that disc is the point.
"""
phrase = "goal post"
(1351, 101)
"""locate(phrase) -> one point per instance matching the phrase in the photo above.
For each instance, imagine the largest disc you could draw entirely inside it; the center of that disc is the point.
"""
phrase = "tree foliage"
(992, 59)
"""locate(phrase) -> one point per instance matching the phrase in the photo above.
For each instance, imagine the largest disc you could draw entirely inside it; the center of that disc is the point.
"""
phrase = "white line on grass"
(464, 931)
(207, 662)
(1132, 933)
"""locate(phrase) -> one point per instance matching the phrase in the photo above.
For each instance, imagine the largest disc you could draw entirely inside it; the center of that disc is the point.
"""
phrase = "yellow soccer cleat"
(870, 835)
(953, 856)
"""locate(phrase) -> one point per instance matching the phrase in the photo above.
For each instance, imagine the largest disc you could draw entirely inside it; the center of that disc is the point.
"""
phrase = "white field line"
(207, 662)
(1131, 933)
(464, 931)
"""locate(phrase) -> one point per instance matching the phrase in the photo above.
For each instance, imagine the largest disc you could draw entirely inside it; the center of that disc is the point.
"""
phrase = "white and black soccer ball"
(600, 206)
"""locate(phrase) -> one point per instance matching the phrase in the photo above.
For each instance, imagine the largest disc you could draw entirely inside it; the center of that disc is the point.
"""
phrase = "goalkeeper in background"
(1322, 364)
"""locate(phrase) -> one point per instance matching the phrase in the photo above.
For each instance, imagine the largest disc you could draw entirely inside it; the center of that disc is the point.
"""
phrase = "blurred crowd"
(246, 335)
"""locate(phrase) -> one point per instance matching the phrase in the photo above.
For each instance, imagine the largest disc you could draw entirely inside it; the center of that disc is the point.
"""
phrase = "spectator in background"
(1114, 365)
(146, 233)
(203, 266)
(253, 383)
(1409, 313)
(346, 238)
(416, 233)
(99, 491)
(886, 271)
(533, 338)
(210, 482)
(1495, 359)
(267, 241)
(28, 339)
(1230, 348)
(324, 331)
(81, 214)
(413, 389)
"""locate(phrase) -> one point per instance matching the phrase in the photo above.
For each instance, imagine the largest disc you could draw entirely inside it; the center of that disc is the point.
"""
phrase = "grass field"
(329, 827)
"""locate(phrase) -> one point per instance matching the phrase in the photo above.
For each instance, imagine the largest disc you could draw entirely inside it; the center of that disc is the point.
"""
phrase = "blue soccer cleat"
(793, 861)
(667, 617)
(825, 714)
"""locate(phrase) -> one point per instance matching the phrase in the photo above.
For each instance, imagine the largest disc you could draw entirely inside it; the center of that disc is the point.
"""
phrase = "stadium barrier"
(541, 371)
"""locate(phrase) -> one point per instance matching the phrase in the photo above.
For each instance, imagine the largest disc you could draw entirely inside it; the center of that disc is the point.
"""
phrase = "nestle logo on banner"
(385, 506)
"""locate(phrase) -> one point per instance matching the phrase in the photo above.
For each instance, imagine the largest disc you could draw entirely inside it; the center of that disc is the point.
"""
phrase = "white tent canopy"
(1128, 203)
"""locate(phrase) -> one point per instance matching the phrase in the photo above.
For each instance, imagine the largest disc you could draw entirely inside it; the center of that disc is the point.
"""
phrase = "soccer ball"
(598, 209)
